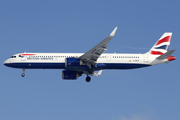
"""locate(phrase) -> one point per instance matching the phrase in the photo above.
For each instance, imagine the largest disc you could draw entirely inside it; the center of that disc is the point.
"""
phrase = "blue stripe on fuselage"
(84, 67)
(37, 65)
(124, 65)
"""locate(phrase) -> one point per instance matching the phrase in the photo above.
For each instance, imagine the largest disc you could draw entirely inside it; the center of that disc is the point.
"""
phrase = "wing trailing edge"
(89, 58)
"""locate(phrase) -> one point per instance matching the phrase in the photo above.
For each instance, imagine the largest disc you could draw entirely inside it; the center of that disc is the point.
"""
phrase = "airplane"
(76, 64)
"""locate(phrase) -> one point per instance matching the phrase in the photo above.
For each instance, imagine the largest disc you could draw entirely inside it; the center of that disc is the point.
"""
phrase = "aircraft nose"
(6, 62)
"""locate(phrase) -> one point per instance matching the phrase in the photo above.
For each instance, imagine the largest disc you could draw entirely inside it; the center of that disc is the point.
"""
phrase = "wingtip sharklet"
(98, 74)
(113, 32)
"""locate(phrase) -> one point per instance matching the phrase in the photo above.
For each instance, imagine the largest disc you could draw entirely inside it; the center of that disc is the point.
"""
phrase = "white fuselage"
(76, 64)
(57, 60)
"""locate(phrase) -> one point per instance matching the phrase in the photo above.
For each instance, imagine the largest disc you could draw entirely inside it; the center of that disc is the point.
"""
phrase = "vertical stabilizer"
(161, 45)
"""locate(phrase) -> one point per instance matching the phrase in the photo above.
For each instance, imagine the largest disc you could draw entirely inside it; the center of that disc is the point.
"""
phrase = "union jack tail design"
(161, 45)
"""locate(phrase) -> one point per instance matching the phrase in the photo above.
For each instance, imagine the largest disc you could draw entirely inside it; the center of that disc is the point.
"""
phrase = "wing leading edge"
(89, 58)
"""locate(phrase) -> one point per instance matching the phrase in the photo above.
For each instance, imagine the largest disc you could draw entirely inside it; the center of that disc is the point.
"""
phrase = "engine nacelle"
(72, 62)
(70, 75)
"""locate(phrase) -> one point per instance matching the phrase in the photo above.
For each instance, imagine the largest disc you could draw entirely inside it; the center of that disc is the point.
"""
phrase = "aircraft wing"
(89, 58)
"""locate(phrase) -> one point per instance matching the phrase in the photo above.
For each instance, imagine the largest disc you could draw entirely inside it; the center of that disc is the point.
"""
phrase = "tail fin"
(161, 45)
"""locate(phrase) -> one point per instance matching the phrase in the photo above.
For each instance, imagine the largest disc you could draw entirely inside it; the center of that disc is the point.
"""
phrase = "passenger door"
(23, 58)
(108, 58)
(146, 59)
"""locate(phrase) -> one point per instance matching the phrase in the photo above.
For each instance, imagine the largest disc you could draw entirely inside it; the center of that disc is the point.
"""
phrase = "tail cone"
(171, 58)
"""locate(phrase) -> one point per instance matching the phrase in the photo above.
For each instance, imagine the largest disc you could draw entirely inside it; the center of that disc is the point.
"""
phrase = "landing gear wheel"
(88, 79)
(22, 74)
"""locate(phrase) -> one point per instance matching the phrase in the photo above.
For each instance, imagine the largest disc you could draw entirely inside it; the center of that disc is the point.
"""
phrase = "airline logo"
(22, 55)
(162, 47)
(162, 44)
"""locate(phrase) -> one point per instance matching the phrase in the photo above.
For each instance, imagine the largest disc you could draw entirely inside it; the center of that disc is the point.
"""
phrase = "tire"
(22, 74)
(88, 79)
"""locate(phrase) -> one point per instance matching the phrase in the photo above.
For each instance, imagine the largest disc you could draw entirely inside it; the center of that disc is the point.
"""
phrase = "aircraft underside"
(77, 68)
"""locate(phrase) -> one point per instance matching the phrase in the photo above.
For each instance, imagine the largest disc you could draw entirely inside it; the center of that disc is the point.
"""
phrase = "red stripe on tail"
(166, 39)
(156, 53)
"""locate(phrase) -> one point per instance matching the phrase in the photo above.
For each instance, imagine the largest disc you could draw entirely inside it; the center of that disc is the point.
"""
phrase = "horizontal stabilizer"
(165, 55)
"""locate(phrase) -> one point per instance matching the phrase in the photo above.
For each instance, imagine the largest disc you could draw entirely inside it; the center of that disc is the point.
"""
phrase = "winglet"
(113, 32)
(97, 74)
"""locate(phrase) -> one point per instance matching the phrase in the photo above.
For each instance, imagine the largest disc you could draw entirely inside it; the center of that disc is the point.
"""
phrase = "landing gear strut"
(90, 71)
(23, 74)
(88, 79)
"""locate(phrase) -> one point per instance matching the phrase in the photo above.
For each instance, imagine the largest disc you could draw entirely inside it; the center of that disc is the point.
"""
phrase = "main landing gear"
(23, 74)
(90, 71)
(88, 79)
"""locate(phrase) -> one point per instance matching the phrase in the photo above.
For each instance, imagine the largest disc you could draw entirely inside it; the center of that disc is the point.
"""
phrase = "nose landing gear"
(23, 74)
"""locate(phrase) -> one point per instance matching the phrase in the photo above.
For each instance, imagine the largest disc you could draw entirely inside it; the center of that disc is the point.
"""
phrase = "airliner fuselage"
(76, 64)
(57, 61)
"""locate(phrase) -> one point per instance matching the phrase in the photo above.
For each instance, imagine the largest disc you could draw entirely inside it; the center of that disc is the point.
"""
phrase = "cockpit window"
(13, 56)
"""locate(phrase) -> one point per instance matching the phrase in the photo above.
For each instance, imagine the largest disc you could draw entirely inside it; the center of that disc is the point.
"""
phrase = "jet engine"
(70, 75)
(72, 62)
